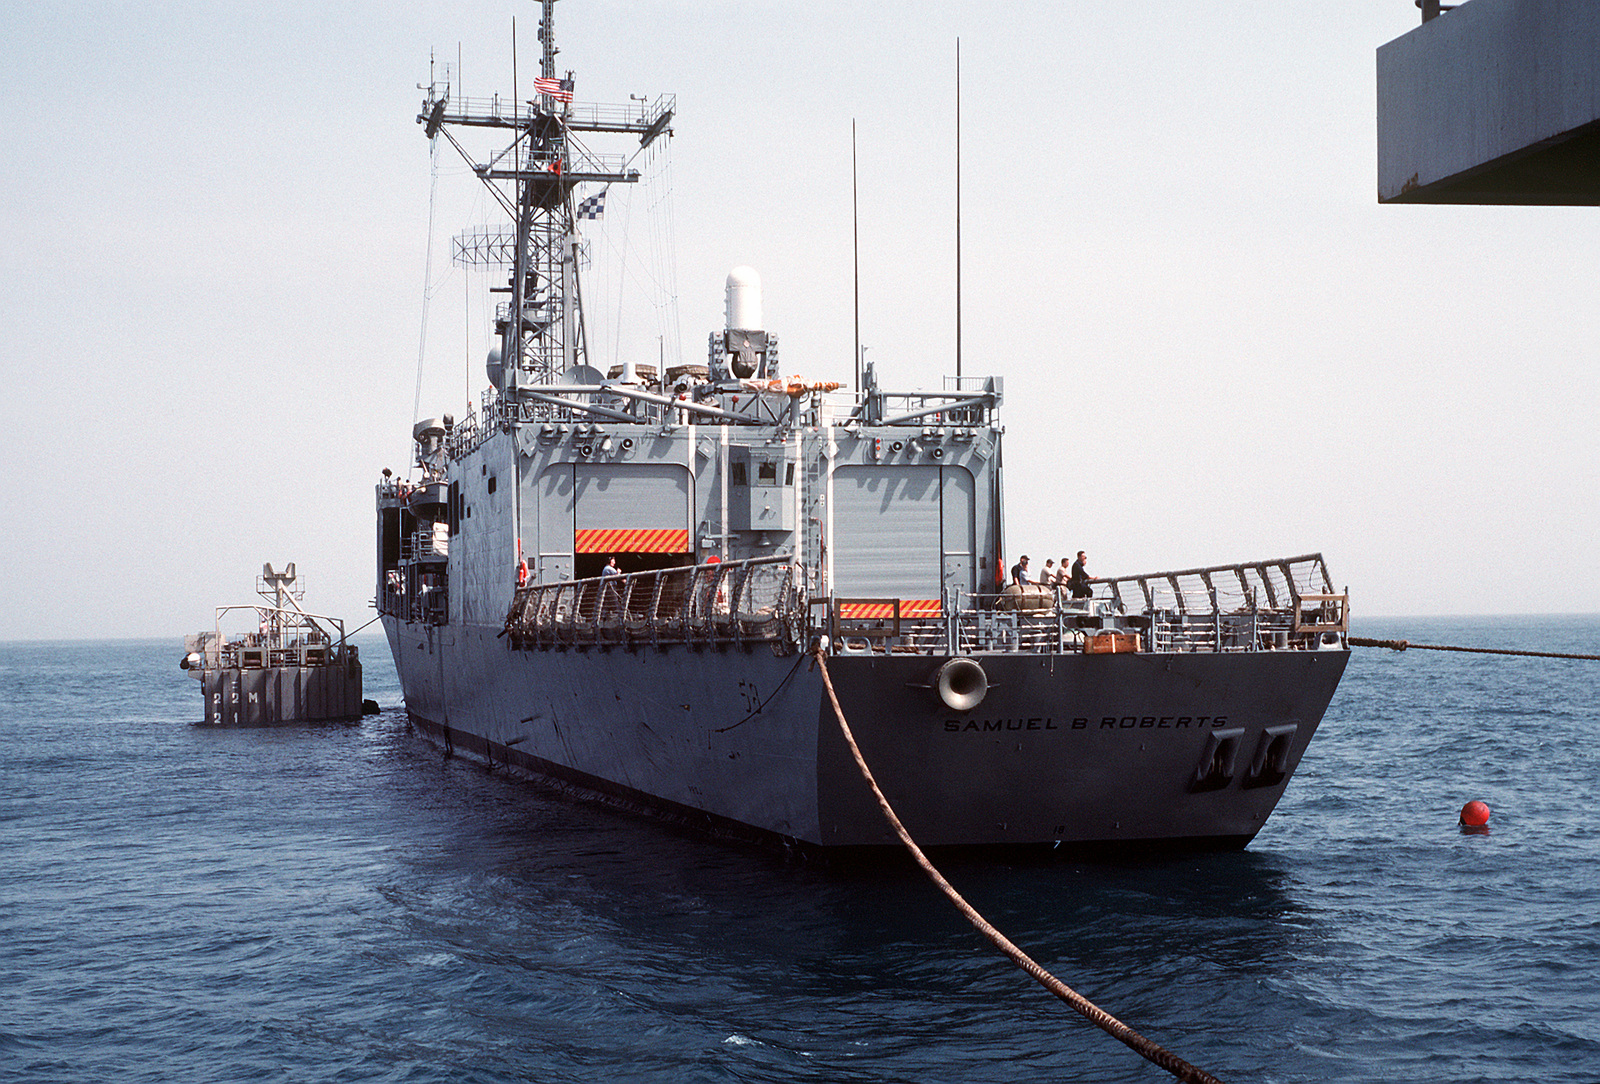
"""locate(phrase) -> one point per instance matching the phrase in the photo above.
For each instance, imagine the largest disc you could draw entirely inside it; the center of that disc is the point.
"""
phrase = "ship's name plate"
(1106, 722)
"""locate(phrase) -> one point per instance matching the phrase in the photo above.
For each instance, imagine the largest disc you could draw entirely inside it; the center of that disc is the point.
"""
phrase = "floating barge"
(295, 668)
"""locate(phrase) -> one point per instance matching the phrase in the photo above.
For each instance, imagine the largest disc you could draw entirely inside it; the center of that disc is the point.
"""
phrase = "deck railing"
(287, 637)
(731, 602)
(1260, 585)
(1279, 605)
(637, 116)
(413, 595)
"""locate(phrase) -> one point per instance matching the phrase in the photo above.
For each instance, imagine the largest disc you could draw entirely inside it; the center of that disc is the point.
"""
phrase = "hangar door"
(902, 532)
(588, 512)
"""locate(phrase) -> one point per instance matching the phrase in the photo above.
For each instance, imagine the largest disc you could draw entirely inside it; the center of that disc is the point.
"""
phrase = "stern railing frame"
(727, 603)
(1214, 609)
(1217, 609)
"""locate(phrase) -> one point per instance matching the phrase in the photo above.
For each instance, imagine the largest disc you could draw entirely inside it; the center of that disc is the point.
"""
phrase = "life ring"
(522, 572)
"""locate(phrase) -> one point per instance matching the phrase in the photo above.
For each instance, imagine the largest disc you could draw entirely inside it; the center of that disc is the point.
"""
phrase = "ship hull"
(1139, 749)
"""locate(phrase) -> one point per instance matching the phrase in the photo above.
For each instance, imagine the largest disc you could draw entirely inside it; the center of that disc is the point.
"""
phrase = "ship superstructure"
(614, 579)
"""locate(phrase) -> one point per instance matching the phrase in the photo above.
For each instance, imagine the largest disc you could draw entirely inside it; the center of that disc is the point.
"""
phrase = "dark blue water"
(341, 903)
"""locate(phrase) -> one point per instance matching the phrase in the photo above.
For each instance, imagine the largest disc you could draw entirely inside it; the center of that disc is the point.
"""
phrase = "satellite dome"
(744, 299)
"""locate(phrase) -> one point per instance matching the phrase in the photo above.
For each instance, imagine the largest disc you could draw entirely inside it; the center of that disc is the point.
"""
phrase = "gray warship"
(616, 581)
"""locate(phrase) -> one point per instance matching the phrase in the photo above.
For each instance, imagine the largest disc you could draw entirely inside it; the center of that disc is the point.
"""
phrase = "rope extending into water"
(1404, 645)
(1144, 1047)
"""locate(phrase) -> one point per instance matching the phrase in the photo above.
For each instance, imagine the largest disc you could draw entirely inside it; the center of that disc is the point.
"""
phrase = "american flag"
(594, 206)
(559, 89)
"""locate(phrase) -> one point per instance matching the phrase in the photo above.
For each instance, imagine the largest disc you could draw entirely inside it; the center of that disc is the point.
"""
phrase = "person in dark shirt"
(1080, 579)
(1019, 572)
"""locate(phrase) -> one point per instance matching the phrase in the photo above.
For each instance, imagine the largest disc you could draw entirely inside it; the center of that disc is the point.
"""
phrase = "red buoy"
(1474, 815)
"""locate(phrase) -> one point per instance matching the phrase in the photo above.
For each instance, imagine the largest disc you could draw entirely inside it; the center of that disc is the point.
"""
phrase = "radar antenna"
(540, 327)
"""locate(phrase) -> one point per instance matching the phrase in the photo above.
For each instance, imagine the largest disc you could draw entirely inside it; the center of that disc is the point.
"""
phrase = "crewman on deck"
(1080, 579)
(610, 594)
(1019, 572)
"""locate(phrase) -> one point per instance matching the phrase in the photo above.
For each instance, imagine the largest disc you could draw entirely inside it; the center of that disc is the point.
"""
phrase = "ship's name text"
(1106, 722)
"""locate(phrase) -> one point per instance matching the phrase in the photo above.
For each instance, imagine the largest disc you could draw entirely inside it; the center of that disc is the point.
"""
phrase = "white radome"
(744, 299)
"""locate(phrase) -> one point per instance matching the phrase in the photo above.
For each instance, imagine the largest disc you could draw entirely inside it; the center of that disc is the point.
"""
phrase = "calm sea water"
(341, 903)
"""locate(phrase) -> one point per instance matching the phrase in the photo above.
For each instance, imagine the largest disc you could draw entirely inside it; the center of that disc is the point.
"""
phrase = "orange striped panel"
(875, 611)
(633, 540)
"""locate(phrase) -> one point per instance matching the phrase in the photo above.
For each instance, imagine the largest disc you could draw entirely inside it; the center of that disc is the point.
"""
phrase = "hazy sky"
(1216, 345)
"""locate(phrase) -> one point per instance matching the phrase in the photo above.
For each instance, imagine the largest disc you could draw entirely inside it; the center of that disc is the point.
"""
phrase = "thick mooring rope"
(1144, 1047)
(1404, 645)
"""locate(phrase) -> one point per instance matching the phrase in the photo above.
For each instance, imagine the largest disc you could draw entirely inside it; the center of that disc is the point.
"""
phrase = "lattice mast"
(544, 285)
(541, 329)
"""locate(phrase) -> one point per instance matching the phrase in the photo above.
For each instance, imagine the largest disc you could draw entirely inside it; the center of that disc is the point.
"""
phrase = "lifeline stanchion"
(1405, 645)
(1142, 1046)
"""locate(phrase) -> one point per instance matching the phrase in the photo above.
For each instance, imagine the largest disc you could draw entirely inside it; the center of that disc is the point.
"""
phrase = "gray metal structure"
(295, 667)
(1492, 102)
(756, 517)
